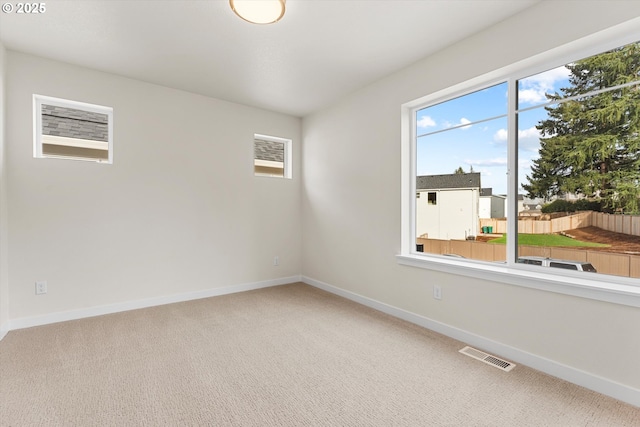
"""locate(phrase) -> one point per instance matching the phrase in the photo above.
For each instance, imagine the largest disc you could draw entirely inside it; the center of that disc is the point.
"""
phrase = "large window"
(72, 130)
(534, 171)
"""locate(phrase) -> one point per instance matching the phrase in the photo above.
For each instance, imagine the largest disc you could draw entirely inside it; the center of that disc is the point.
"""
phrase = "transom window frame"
(601, 287)
(39, 100)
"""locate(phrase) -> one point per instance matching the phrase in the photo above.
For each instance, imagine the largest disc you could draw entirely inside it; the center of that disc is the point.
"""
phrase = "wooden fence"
(626, 265)
(626, 224)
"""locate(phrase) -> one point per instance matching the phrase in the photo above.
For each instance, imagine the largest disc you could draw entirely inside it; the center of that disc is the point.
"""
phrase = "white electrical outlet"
(276, 260)
(41, 288)
(437, 292)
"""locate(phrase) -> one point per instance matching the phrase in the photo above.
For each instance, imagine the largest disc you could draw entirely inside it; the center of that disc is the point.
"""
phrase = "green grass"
(547, 240)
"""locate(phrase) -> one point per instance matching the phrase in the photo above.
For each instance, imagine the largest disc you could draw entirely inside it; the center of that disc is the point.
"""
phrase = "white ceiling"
(320, 51)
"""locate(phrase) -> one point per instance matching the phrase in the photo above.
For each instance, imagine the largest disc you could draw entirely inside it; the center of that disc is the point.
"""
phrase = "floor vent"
(488, 359)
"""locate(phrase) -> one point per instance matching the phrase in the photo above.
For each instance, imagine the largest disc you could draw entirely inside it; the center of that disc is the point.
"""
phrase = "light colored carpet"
(290, 355)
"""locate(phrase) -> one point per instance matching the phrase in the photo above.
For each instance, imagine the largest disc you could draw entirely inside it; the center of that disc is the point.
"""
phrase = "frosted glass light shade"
(259, 11)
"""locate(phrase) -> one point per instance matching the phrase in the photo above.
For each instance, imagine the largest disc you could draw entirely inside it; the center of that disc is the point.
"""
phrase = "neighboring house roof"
(268, 150)
(488, 192)
(455, 180)
(72, 123)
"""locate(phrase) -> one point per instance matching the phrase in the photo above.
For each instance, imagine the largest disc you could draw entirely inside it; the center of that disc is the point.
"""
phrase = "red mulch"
(619, 242)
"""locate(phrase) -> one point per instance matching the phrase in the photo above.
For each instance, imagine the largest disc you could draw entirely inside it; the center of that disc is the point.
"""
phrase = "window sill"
(617, 290)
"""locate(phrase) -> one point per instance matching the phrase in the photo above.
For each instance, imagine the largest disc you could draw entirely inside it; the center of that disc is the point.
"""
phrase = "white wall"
(492, 207)
(485, 207)
(4, 282)
(454, 216)
(427, 216)
(178, 211)
(351, 212)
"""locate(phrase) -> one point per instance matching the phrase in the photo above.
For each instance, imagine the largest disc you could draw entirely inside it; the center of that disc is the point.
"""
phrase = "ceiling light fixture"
(259, 11)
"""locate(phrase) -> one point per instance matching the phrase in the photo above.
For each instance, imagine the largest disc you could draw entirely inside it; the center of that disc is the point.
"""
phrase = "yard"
(607, 241)
(549, 240)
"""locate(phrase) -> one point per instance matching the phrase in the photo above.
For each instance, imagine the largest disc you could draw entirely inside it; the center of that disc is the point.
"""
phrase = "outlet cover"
(41, 288)
(437, 292)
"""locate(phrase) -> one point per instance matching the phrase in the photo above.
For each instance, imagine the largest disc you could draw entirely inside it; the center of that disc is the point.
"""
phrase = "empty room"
(320, 213)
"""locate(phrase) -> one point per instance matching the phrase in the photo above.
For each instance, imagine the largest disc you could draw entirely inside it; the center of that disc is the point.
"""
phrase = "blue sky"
(468, 141)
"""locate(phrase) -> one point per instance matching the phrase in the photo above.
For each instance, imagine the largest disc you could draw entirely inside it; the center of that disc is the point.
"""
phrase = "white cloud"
(532, 96)
(550, 77)
(525, 136)
(532, 132)
(498, 161)
(460, 125)
(425, 122)
(500, 135)
(529, 140)
(524, 164)
(533, 89)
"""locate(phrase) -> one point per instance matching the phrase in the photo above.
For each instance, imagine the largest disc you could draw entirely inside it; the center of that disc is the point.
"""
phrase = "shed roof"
(486, 191)
(74, 123)
(454, 180)
(268, 150)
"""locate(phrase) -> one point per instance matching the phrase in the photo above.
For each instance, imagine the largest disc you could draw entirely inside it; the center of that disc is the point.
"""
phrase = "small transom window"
(72, 130)
(271, 156)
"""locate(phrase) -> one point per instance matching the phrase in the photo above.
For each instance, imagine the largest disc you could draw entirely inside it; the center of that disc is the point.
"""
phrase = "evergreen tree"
(461, 171)
(591, 145)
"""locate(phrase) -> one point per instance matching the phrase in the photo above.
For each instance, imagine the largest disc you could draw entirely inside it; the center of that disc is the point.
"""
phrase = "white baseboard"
(63, 316)
(576, 376)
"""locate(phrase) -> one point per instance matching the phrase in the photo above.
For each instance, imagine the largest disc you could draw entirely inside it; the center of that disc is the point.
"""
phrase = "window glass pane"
(579, 169)
(74, 133)
(464, 110)
(540, 88)
(461, 187)
(606, 70)
(269, 158)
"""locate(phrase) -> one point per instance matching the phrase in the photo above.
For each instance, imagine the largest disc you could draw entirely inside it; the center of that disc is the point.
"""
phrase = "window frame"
(601, 287)
(39, 100)
(287, 158)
